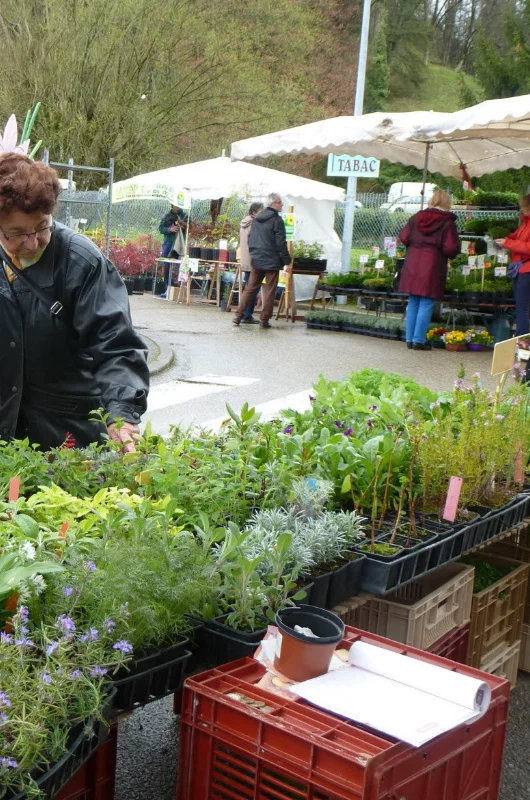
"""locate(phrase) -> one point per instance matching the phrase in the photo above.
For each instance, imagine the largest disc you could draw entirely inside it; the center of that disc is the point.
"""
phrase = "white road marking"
(165, 395)
(298, 402)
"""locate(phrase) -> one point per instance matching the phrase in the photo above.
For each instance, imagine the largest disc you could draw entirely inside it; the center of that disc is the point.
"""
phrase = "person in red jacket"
(430, 237)
(518, 244)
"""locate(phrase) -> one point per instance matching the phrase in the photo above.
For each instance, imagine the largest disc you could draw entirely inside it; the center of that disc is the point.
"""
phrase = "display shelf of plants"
(129, 571)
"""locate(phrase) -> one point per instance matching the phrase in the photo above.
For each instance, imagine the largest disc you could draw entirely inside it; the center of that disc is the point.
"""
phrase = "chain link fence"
(372, 224)
(87, 212)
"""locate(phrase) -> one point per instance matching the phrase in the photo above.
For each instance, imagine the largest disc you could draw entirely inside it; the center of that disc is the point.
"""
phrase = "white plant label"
(379, 264)
(471, 261)
(480, 262)
(363, 259)
(466, 270)
(502, 258)
(500, 272)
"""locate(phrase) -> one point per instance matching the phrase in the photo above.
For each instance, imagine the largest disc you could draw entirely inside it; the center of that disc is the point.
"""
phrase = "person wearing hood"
(171, 223)
(431, 238)
(518, 243)
(246, 265)
(268, 254)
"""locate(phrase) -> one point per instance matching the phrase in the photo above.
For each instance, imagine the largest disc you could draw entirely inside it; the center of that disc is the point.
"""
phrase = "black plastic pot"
(218, 644)
(129, 285)
(319, 590)
(204, 253)
(310, 264)
(159, 287)
(138, 285)
(148, 284)
(140, 688)
(194, 252)
(344, 582)
(232, 256)
(83, 740)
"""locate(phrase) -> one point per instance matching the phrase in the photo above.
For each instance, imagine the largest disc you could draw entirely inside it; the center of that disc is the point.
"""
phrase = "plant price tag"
(391, 251)
(480, 262)
(193, 264)
(453, 498)
(472, 261)
(363, 259)
(464, 247)
(500, 272)
(14, 489)
(389, 241)
(466, 270)
(375, 251)
(379, 264)
(502, 258)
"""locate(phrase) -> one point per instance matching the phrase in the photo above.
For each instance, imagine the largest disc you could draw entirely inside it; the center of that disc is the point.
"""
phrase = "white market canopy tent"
(489, 137)
(314, 202)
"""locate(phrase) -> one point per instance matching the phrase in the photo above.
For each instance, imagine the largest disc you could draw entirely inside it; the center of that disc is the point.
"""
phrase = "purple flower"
(3, 718)
(8, 763)
(46, 678)
(500, 417)
(23, 613)
(90, 566)
(372, 408)
(476, 374)
(65, 624)
(347, 432)
(124, 610)
(424, 438)
(52, 647)
(289, 429)
(311, 398)
(97, 672)
(324, 411)
(6, 638)
(370, 423)
(339, 424)
(76, 673)
(123, 647)
(24, 642)
(92, 635)
(4, 700)
(109, 625)
(67, 591)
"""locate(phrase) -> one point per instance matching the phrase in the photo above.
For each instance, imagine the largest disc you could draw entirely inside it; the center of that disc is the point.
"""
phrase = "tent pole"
(425, 165)
(351, 191)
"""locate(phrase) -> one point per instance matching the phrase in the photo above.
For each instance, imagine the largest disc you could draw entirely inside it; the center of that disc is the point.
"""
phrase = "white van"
(406, 197)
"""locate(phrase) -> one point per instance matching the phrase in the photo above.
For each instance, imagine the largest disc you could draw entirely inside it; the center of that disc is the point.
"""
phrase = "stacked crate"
(517, 547)
(431, 613)
(497, 618)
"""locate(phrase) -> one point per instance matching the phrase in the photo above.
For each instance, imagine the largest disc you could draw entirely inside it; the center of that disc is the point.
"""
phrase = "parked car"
(408, 204)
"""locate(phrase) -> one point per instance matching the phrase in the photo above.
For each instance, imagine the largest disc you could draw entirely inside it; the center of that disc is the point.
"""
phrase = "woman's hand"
(500, 242)
(124, 434)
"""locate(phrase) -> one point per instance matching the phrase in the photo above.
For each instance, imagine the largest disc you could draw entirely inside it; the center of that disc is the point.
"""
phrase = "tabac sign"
(352, 166)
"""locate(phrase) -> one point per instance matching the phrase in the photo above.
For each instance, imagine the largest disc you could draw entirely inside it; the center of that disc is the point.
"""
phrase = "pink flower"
(8, 142)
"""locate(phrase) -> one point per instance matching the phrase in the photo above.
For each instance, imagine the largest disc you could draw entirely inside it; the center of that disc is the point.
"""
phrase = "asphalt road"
(271, 364)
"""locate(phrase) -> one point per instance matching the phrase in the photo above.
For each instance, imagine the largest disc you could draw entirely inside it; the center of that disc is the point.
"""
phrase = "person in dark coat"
(246, 266)
(431, 238)
(56, 368)
(171, 223)
(268, 254)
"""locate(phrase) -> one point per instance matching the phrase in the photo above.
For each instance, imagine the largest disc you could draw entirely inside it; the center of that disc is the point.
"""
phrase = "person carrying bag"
(518, 244)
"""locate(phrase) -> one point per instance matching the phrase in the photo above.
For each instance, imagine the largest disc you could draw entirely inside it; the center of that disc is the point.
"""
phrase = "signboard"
(353, 166)
(290, 221)
(137, 190)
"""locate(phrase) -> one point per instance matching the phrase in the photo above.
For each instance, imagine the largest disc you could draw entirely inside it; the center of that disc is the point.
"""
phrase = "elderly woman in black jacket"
(67, 342)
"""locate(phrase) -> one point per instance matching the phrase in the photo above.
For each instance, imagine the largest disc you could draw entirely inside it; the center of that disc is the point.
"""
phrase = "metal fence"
(371, 225)
(128, 219)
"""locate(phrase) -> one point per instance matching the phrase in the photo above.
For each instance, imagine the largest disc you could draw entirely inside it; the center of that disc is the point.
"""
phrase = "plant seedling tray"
(140, 688)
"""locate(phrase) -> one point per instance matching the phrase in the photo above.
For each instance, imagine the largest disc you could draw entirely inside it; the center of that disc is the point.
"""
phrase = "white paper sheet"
(408, 699)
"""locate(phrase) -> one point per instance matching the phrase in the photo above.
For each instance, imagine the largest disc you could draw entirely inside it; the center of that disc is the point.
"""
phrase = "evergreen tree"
(377, 89)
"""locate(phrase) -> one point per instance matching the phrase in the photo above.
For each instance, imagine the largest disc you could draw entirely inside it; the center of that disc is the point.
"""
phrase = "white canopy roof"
(504, 118)
(489, 137)
(382, 135)
(221, 177)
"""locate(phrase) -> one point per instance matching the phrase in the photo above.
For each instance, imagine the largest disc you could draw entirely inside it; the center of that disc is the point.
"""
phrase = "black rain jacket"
(55, 370)
(266, 241)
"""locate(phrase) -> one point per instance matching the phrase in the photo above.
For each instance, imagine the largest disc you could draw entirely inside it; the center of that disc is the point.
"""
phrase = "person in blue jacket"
(170, 224)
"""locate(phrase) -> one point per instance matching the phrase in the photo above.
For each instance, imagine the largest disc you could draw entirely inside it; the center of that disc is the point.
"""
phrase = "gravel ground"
(148, 747)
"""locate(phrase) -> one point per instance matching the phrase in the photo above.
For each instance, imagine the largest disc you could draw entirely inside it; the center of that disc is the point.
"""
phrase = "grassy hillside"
(440, 91)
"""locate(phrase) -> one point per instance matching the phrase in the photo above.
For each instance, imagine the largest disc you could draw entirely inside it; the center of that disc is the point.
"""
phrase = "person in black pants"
(246, 265)
(518, 244)
(170, 224)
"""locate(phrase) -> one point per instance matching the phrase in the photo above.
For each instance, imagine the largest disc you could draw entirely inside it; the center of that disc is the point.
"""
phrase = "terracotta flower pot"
(302, 657)
(455, 348)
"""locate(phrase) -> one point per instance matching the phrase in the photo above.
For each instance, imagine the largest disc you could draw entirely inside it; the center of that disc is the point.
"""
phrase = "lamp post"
(351, 191)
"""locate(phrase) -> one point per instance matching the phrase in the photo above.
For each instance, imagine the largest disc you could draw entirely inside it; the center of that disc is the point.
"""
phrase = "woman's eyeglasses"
(22, 238)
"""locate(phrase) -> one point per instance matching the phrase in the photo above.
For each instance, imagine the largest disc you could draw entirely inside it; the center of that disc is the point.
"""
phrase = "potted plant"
(478, 340)
(435, 337)
(455, 341)
(308, 256)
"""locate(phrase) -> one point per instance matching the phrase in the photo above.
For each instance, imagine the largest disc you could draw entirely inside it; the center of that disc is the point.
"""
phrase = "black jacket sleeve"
(102, 321)
(167, 222)
(281, 241)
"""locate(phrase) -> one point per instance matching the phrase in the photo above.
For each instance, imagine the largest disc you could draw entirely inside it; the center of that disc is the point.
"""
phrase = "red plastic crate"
(96, 778)
(231, 751)
(453, 645)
